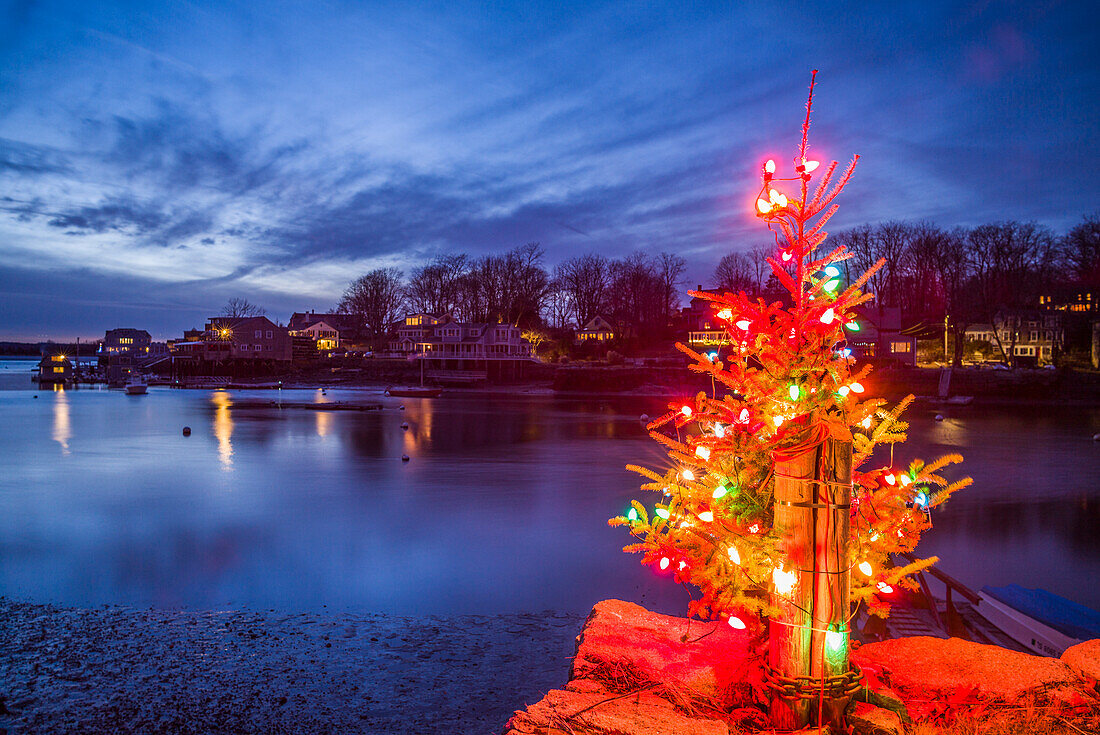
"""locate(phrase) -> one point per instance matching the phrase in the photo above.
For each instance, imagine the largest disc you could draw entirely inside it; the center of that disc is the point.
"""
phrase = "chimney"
(699, 287)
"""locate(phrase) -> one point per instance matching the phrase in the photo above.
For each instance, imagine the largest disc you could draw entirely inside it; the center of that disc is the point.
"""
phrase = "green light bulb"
(632, 515)
(852, 326)
(719, 491)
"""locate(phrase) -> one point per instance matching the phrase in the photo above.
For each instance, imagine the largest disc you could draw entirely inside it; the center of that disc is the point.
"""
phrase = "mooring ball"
(36, 395)
(400, 408)
(405, 425)
(187, 431)
(404, 458)
(644, 417)
(939, 417)
(1095, 437)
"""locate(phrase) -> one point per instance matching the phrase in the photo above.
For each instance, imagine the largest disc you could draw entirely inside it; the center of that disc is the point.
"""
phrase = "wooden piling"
(812, 507)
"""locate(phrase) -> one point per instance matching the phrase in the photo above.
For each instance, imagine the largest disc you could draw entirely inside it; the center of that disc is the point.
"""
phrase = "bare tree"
(436, 288)
(670, 269)
(735, 272)
(586, 279)
(1081, 250)
(1012, 263)
(236, 307)
(559, 306)
(378, 299)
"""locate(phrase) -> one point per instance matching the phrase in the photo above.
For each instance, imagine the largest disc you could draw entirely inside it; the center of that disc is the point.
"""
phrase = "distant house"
(248, 342)
(328, 331)
(598, 330)
(1028, 338)
(55, 369)
(125, 340)
(880, 336)
(126, 349)
(414, 333)
(438, 337)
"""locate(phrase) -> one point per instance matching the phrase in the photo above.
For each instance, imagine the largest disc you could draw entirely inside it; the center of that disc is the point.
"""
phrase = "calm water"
(502, 507)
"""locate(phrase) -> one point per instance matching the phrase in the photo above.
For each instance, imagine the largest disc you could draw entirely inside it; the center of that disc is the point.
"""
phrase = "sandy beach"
(115, 669)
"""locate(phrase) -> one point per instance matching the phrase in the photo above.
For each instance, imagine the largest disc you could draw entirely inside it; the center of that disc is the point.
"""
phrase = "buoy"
(939, 417)
(644, 417)
(1095, 437)
(404, 458)
(405, 425)
(36, 395)
(187, 431)
(400, 408)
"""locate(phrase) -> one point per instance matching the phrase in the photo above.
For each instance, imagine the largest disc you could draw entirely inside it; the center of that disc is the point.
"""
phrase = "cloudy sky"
(159, 158)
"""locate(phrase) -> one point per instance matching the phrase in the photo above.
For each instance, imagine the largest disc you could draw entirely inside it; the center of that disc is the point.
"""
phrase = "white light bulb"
(737, 623)
(764, 206)
(702, 453)
(770, 166)
(719, 431)
(743, 324)
(784, 581)
(664, 562)
(706, 516)
(828, 316)
(734, 556)
(865, 567)
(810, 165)
(688, 475)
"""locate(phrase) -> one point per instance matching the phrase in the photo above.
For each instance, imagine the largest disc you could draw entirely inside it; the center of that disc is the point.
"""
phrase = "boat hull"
(136, 390)
(1024, 629)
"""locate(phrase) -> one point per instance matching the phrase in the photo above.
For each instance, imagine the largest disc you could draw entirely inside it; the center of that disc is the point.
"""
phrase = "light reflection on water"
(223, 427)
(503, 505)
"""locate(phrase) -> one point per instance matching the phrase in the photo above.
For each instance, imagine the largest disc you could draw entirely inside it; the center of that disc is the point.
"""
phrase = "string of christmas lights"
(785, 381)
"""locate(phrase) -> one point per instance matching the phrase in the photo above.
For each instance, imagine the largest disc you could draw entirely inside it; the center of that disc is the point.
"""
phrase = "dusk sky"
(157, 159)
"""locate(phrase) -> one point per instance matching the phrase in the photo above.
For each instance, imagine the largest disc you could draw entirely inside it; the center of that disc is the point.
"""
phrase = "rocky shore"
(120, 670)
(640, 673)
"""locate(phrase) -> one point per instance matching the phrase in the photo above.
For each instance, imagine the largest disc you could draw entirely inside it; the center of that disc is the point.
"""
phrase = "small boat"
(1040, 621)
(136, 386)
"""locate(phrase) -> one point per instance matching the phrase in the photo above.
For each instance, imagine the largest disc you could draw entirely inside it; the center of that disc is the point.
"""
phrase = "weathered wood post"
(809, 638)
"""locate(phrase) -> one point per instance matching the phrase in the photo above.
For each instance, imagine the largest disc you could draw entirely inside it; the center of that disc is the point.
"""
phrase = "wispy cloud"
(270, 153)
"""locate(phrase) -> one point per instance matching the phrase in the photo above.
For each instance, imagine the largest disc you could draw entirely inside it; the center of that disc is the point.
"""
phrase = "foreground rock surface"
(640, 672)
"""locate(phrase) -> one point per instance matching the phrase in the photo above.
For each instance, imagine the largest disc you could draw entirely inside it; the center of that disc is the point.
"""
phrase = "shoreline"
(120, 669)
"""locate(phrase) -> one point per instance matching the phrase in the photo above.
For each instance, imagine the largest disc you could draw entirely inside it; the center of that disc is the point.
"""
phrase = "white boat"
(1040, 621)
(136, 386)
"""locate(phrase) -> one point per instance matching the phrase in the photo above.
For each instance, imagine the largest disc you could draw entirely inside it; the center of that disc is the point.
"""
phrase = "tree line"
(639, 292)
(968, 275)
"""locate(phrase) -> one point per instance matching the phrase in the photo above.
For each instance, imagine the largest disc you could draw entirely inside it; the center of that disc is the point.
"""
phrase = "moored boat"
(1040, 621)
(136, 386)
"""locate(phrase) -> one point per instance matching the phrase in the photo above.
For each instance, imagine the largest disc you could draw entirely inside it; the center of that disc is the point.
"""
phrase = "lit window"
(59, 369)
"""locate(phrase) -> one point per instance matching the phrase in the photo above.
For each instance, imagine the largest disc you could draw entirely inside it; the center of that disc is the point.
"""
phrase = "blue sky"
(157, 159)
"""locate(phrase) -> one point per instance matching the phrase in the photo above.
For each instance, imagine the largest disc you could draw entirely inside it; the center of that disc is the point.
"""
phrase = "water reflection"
(62, 426)
(223, 427)
(502, 508)
(324, 423)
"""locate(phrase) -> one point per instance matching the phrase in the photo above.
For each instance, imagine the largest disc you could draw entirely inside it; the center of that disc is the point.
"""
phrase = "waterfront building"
(463, 351)
(55, 369)
(327, 331)
(1027, 338)
(414, 333)
(232, 345)
(598, 330)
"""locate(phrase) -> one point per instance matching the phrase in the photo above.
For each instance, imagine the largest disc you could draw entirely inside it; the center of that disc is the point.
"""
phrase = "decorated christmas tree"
(774, 500)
